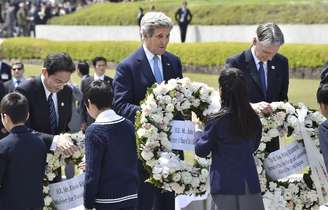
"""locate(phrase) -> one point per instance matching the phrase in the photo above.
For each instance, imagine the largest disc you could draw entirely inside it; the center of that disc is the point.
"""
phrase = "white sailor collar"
(108, 117)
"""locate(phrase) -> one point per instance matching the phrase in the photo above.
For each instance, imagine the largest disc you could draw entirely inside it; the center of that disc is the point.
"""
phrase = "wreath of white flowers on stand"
(291, 193)
(163, 102)
(56, 160)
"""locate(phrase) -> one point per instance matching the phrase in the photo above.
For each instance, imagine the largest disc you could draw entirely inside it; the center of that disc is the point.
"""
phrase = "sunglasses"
(17, 69)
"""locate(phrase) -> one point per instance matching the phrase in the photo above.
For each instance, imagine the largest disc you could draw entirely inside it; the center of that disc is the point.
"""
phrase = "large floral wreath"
(290, 193)
(162, 103)
(168, 172)
(55, 160)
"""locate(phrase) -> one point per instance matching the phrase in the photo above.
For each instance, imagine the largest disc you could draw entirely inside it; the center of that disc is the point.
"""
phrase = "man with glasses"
(50, 102)
(50, 99)
(17, 72)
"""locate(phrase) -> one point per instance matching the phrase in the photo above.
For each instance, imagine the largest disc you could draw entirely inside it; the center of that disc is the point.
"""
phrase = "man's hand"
(65, 145)
(262, 107)
(81, 166)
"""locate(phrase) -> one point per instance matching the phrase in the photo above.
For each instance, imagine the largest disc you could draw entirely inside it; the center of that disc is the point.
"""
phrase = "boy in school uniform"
(22, 158)
(110, 151)
(322, 98)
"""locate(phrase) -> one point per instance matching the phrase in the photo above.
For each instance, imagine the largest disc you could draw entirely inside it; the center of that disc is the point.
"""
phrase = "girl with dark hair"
(233, 135)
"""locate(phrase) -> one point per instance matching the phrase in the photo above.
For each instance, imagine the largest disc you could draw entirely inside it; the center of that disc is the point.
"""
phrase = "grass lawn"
(300, 90)
(205, 12)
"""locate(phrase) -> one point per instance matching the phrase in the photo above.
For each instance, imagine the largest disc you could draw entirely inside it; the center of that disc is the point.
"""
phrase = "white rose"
(202, 188)
(204, 172)
(147, 155)
(166, 172)
(49, 158)
(45, 189)
(177, 188)
(203, 179)
(176, 177)
(47, 200)
(273, 132)
(195, 182)
(262, 147)
(51, 176)
(272, 186)
(169, 108)
(157, 176)
(186, 177)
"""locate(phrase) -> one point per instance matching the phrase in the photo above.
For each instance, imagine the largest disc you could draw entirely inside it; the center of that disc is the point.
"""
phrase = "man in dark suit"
(147, 65)
(266, 71)
(22, 158)
(100, 66)
(5, 71)
(48, 93)
(17, 77)
(50, 101)
(183, 17)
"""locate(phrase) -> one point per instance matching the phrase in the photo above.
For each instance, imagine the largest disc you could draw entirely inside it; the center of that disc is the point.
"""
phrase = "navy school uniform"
(232, 157)
(111, 178)
(22, 168)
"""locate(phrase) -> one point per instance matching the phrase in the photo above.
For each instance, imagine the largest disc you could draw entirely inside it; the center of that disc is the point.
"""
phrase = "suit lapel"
(43, 102)
(271, 78)
(144, 66)
(61, 108)
(253, 69)
(167, 68)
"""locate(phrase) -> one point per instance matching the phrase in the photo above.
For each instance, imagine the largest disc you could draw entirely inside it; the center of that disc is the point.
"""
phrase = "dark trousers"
(183, 31)
(150, 197)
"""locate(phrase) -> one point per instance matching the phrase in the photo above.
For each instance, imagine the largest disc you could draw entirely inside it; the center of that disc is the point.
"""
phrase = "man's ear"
(28, 116)
(254, 41)
(44, 71)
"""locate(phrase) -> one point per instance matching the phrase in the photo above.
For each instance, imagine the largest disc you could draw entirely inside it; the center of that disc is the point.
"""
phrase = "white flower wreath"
(56, 160)
(295, 193)
(162, 103)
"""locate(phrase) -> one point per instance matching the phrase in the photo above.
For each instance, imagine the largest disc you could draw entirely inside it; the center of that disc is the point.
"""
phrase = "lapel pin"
(62, 104)
(273, 67)
(168, 64)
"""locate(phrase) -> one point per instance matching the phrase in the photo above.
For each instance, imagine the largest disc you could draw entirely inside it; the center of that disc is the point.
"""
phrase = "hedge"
(203, 14)
(203, 54)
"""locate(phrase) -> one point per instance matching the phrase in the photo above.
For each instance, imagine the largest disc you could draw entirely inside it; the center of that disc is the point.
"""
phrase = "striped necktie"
(52, 115)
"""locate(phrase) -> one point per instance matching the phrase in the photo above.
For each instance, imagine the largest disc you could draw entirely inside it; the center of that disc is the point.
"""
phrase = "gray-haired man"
(149, 64)
(265, 70)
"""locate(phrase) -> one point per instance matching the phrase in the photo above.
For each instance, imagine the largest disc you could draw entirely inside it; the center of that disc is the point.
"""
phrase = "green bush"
(204, 54)
(203, 13)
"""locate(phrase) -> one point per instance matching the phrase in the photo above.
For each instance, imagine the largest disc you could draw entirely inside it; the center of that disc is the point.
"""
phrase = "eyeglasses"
(14, 69)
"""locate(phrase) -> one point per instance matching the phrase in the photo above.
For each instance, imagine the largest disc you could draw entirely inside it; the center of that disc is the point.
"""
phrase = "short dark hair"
(322, 94)
(100, 94)
(83, 68)
(58, 62)
(15, 105)
(98, 58)
(19, 64)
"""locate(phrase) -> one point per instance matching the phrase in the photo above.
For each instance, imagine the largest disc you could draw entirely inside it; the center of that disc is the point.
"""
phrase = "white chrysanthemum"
(176, 177)
(186, 177)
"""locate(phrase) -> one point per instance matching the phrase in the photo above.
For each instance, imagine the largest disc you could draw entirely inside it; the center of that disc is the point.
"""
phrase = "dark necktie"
(52, 115)
(17, 82)
(262, 78)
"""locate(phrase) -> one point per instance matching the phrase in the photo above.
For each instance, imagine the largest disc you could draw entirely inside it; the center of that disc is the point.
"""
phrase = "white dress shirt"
(54, 98)
(265, 66)
(96, 77)
(150, 58)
